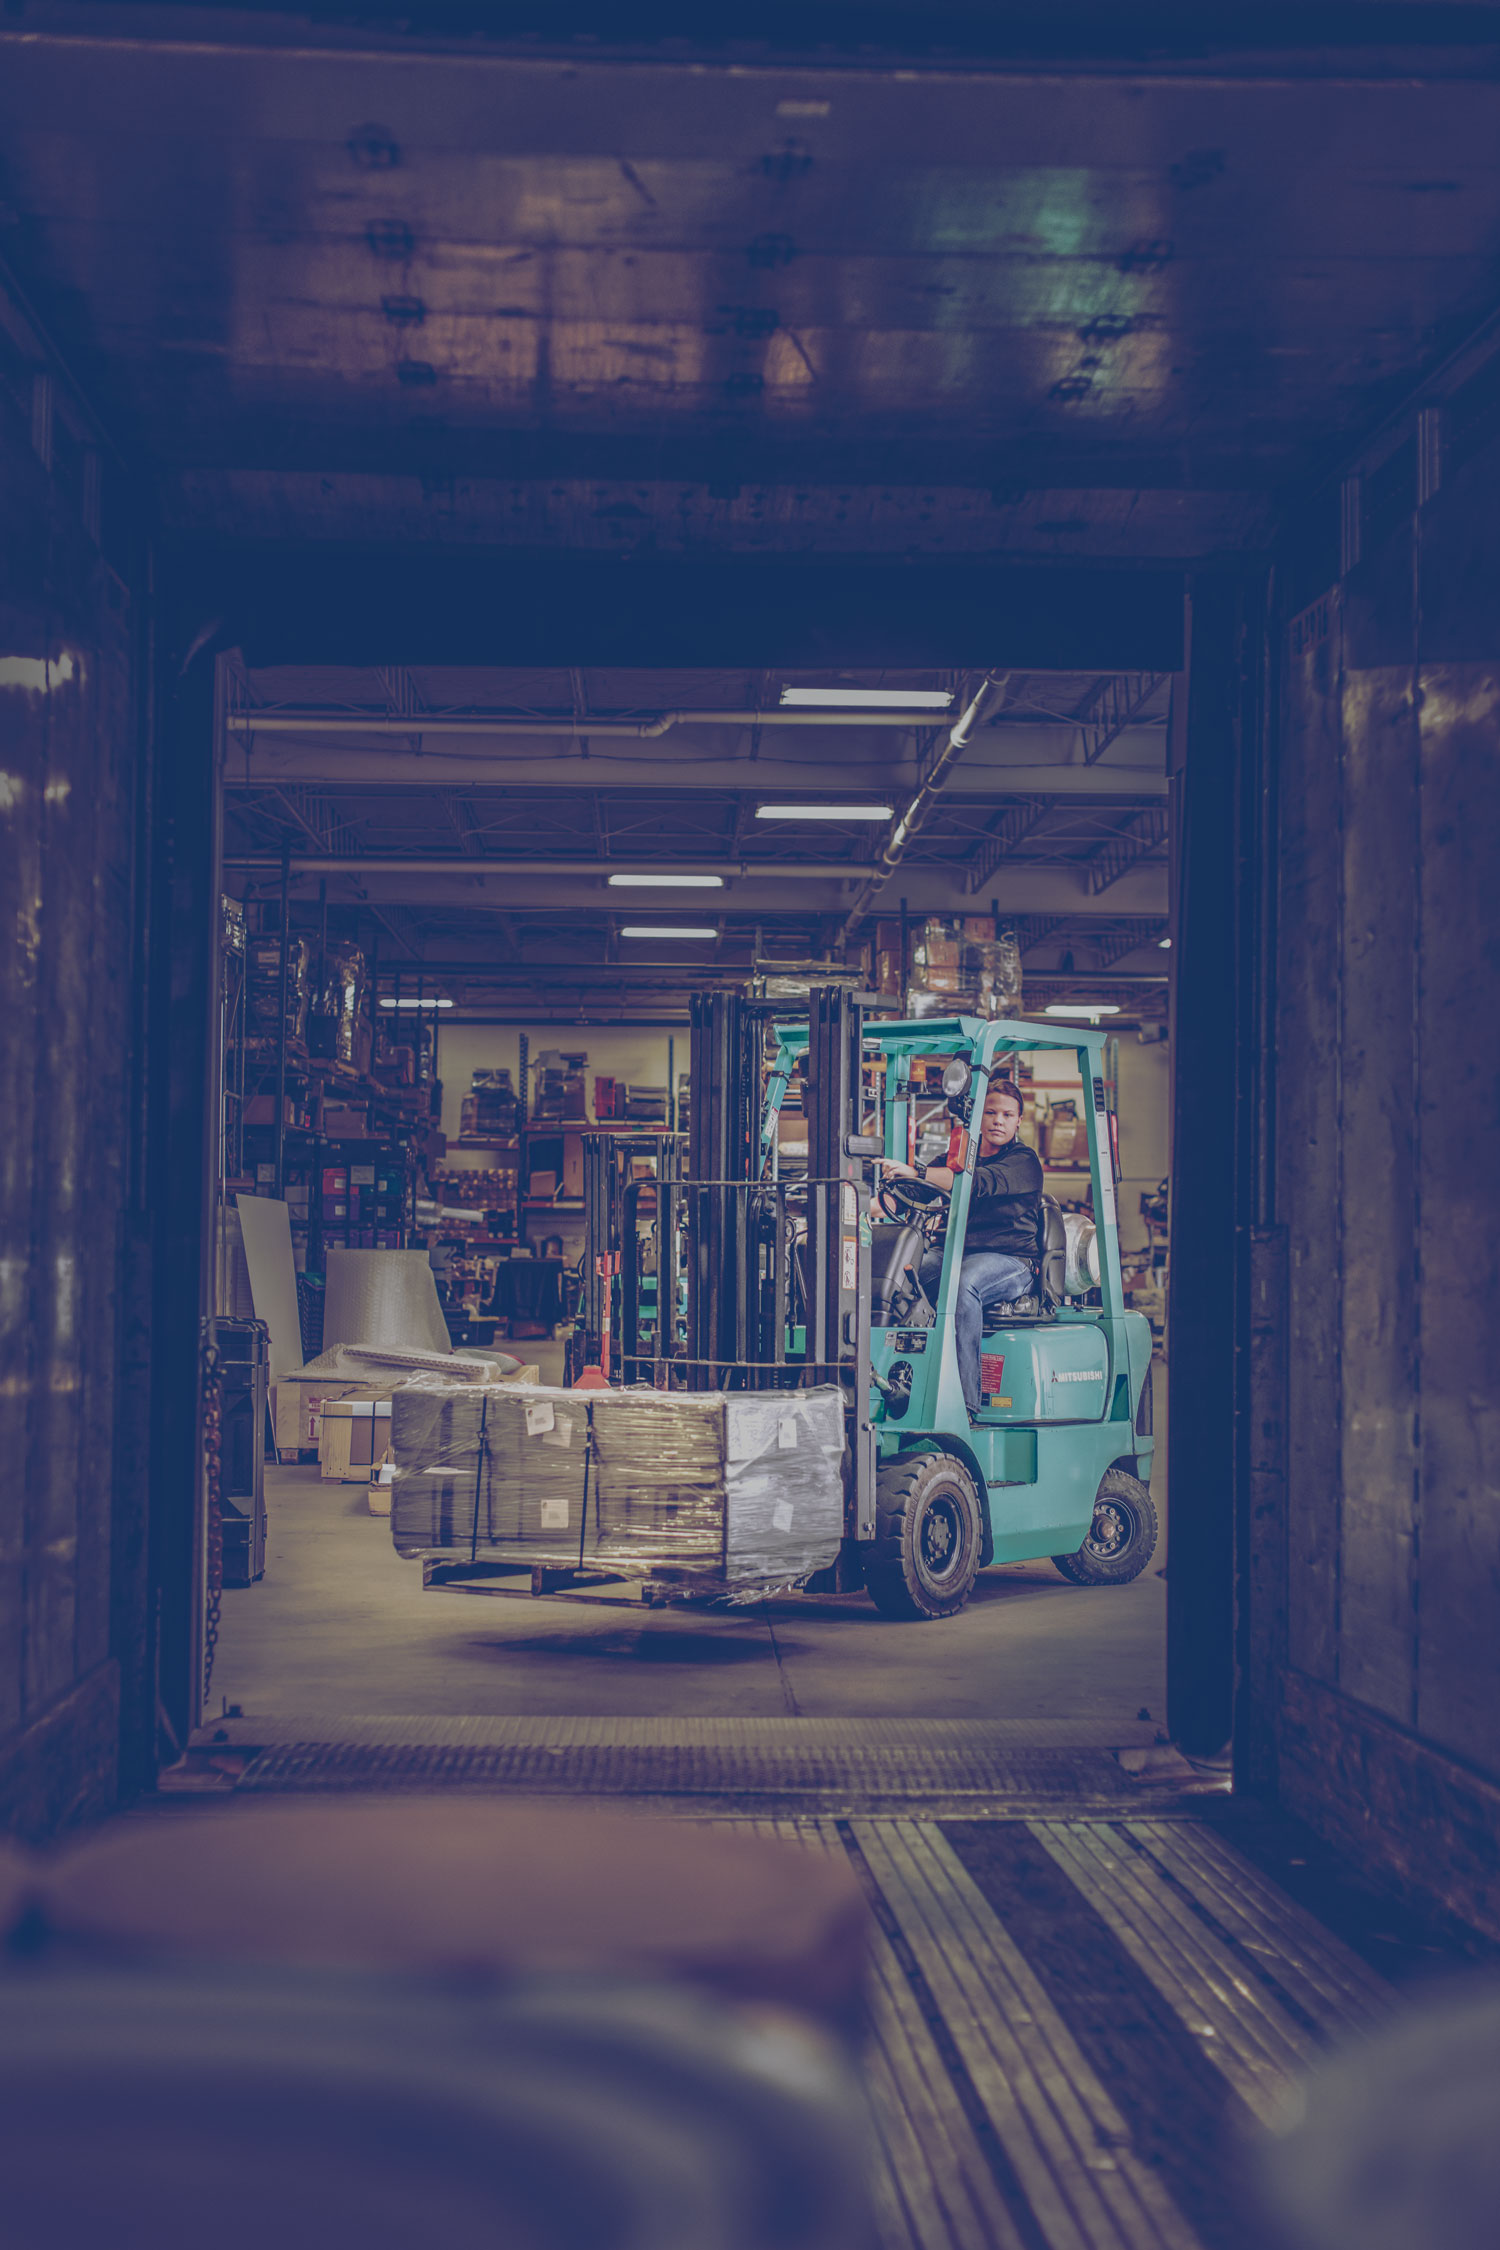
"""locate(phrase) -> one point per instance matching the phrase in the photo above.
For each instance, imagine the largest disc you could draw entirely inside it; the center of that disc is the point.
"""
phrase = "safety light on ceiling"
(666, 882)
(404, 1003)
(865, 699)
(652, 929)
(1092, 1011)
(824, 812)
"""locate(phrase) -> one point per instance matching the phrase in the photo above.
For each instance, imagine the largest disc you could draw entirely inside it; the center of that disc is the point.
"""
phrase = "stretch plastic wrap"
(493, 1471)
(732, 1494)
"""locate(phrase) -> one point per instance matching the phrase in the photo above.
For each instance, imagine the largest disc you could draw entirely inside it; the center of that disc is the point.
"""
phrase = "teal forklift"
(781, 1281)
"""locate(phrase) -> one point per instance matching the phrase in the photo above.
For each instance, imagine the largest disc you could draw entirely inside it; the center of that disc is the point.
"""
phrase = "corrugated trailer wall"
(1388, 1146)
(72, 1496)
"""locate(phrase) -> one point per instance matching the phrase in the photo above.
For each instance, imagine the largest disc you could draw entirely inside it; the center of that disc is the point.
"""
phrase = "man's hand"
(895, 1171)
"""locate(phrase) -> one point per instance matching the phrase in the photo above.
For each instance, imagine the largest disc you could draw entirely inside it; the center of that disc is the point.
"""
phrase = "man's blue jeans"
(988, 1280)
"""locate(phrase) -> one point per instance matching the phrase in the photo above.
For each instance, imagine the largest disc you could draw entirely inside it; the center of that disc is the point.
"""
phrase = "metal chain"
(213, 1483)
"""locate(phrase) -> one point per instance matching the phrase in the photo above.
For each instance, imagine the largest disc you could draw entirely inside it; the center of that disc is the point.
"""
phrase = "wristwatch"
(920, 1170)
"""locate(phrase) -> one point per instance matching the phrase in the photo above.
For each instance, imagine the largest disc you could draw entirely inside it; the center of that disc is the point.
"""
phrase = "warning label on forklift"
(851, 1261)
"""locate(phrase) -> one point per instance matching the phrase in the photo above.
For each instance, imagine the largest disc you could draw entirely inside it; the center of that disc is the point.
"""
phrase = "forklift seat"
(1052, 1246)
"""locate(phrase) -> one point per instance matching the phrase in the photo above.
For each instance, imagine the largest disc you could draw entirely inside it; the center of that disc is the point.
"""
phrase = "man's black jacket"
(1005, 1202)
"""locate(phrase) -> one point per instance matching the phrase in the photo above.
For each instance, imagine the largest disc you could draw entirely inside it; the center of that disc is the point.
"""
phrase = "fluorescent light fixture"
(1094, 1009)
(404, 1003)
(656, 929)
(1164, 942)
(666, 882)
(824, 812)
(865, 699)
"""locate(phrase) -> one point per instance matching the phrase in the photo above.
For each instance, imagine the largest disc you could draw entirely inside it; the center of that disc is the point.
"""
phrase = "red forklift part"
(592, 1379)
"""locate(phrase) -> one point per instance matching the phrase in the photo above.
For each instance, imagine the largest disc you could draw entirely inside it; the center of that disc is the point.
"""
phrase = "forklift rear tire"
(1122, 1537)
(928, 1530)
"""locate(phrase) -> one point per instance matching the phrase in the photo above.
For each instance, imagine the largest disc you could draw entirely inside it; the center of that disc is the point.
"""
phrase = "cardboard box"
(382, 1477)
(341, 1122)
(543, 1185)
(1067, 1139)
(354, 1434)
(298, 1409)
(260, 1109)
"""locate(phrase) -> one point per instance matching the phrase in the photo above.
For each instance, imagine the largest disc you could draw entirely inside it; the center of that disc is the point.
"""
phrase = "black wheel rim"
(1112, 1532)
(940, 1537)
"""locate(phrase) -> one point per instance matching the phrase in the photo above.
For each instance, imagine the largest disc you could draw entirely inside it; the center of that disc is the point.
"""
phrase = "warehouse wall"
(1388, 1149)
(72, 1500)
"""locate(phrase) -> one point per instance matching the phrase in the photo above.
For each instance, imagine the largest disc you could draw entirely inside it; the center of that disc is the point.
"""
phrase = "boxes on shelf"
(791, 1133)
(732, 1493)
(491, 1104)
(609, 1098)
(542, 1187)
(260, 1109)
(969, 959)
(646, 1105)
(346, 1121)
(559, 1096)
(1065, 1140)
(338, 1007)
(394, 1066)
(263, 987)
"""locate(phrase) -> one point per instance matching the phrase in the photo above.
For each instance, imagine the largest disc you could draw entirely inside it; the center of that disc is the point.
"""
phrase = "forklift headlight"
(956, 1079)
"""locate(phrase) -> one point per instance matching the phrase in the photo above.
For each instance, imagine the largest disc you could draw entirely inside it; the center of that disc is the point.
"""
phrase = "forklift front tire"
(928, 1530)
(1122, 1537)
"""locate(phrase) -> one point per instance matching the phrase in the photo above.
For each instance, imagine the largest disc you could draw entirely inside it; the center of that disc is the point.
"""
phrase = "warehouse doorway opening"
(476, 926)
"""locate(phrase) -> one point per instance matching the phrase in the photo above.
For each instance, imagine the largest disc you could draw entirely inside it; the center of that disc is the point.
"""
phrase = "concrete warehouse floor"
(340, 1625)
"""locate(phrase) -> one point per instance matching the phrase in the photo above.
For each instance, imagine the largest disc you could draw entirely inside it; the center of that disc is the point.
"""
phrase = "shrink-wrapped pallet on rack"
(731, 1494)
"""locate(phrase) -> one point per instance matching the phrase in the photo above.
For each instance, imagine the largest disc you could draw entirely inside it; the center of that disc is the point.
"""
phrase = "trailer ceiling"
(361, 283)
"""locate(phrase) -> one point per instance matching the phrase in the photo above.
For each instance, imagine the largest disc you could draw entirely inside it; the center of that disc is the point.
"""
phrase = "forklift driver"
(999, 1263)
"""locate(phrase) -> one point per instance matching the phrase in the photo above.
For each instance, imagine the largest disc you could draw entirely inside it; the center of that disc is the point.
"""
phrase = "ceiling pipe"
(917, 812)
(474, 974)
(393, 765)
(359, 864)
(636, 730)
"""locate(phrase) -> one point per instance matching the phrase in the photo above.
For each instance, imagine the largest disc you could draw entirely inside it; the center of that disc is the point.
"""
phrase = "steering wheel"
(912, 1199)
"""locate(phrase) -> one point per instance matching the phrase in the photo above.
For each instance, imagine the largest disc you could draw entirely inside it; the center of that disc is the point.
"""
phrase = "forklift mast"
(838, 1229)
(745, 1238)
(626, 1223)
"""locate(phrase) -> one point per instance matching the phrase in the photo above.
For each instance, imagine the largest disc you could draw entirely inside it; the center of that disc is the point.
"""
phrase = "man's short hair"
(1009, 1088)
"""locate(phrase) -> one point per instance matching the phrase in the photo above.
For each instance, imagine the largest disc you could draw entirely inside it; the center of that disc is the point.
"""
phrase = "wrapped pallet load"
(494, 1471)
(732, 1494)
